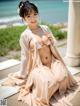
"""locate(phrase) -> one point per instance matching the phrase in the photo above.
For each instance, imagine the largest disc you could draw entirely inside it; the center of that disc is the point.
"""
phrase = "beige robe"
(42, 82)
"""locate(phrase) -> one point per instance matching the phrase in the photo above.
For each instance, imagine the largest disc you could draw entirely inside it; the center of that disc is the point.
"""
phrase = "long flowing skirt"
(53, 86)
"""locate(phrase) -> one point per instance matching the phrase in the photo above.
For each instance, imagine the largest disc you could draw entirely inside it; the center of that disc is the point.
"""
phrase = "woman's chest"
(40, 42)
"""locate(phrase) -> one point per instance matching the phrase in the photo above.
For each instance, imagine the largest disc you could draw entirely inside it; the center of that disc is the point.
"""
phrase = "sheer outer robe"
(61, 79)
(28, 59)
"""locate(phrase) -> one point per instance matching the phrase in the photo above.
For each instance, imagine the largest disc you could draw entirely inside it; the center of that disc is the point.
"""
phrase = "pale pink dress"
(44, 86)
(44, 82)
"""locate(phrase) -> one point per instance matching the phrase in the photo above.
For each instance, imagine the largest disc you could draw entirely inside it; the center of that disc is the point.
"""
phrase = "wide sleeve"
(24, 43)
(25, 90)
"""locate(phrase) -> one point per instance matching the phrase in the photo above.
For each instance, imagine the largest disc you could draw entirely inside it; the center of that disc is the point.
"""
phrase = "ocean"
(51, 11)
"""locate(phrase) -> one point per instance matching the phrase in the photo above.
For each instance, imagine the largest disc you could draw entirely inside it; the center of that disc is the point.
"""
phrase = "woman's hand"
(49, 35)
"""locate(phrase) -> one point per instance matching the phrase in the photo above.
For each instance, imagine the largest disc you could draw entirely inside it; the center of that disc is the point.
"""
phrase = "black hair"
(25, 7)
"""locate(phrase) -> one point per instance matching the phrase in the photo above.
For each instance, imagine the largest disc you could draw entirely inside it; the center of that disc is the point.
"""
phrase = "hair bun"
(27, 1)
(23, 2)
(20, 4)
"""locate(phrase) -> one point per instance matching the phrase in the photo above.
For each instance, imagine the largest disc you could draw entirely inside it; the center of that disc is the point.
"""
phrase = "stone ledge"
(7, 91)
(8, 63)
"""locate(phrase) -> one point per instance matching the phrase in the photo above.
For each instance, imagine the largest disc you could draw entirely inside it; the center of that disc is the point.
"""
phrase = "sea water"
(51, 11)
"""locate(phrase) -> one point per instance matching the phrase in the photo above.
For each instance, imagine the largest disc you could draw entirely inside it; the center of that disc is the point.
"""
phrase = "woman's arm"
(54, 43)
(24, 43)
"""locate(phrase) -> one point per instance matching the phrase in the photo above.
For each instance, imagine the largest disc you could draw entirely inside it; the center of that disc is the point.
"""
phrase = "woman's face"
(32, 19)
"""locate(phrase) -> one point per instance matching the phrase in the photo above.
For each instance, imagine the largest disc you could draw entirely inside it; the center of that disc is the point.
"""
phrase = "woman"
(40, 61)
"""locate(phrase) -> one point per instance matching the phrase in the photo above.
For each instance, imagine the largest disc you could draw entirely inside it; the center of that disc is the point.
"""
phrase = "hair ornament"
(21, 5)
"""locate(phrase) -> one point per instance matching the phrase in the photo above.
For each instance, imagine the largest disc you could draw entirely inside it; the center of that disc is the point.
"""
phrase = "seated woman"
(40, 61)
(47, 73)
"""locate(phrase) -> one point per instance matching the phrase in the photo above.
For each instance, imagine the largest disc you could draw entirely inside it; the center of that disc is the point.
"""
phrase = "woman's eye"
(28, 16)
(35, 14)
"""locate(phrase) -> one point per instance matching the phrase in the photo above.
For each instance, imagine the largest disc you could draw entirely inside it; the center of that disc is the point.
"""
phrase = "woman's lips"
(33, 22)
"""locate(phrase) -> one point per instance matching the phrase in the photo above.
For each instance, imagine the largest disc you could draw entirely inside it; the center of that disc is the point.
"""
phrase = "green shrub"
(57, 33)
(9, 39)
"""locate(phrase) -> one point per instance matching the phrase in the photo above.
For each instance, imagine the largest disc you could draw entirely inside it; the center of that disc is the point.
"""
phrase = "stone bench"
(8, 66)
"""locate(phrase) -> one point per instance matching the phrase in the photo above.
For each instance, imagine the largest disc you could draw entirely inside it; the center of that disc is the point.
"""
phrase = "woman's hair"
(26, 7)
